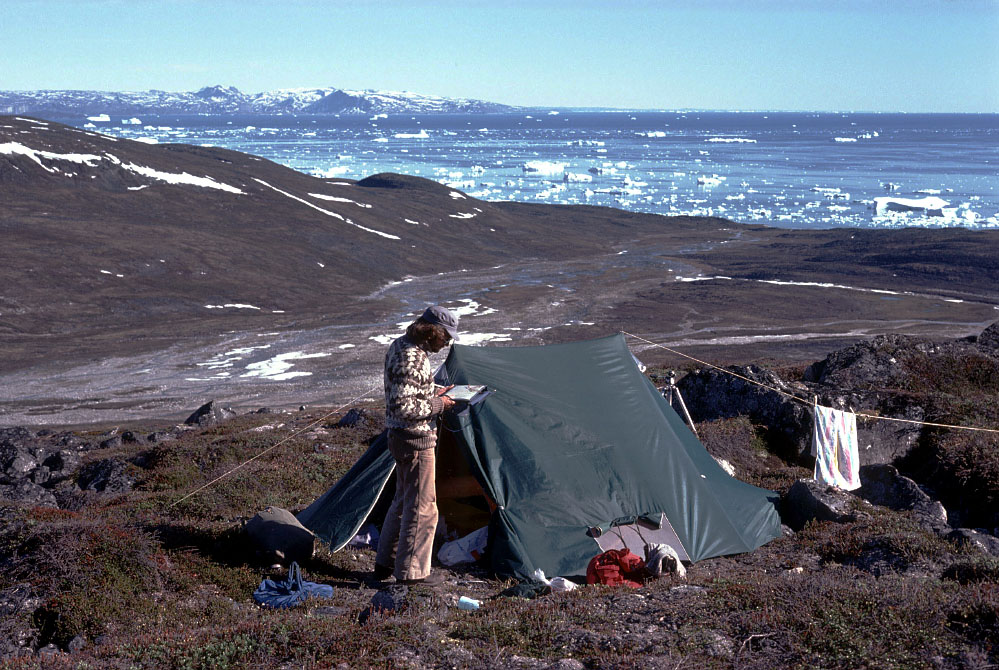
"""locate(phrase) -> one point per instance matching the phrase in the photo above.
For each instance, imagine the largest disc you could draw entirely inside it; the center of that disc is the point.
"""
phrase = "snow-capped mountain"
(228, 100)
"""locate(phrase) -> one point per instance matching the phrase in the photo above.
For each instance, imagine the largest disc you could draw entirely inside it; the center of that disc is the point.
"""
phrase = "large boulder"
(110, 475)
(16, 462)
(809, 500)
(887, 441)
(355, 418)
(989, 339)
(210, 414)
(883, 485)
(61, 465)
(973, 539)
(713, 394)
(871, 364)
(28, 493)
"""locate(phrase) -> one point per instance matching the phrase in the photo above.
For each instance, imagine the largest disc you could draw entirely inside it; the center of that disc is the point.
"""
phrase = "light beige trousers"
(407, 538)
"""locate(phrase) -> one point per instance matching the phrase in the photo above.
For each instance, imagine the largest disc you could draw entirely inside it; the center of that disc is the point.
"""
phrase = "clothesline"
(805, 401)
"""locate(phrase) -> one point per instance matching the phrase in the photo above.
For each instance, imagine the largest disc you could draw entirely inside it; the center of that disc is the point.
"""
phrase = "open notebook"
(467, 393)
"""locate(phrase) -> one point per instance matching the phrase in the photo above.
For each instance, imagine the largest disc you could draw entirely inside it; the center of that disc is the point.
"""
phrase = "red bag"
(616, 567)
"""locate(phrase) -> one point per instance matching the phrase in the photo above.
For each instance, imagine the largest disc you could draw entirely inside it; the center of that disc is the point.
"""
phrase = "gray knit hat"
(442, 316)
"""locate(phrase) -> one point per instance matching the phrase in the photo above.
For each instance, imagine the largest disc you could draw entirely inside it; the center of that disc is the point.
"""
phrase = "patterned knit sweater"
(411, 402)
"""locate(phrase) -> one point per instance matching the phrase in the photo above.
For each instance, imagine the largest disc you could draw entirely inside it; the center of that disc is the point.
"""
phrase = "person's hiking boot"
(433, 579)
(382, 572)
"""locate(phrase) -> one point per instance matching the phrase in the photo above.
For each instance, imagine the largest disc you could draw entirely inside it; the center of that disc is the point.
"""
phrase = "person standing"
(412, 404)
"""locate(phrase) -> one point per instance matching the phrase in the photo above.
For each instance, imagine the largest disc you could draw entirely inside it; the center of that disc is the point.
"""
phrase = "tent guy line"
(804, 401)
(623, 332)
(273, 446)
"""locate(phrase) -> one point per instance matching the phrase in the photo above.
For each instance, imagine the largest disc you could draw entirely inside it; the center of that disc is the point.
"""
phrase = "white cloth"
(834, 443)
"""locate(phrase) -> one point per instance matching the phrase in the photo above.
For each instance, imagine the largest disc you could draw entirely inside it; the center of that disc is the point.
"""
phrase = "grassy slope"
(154, 586)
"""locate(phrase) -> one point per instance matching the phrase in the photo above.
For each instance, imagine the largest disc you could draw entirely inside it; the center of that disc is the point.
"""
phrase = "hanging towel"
(834, 442)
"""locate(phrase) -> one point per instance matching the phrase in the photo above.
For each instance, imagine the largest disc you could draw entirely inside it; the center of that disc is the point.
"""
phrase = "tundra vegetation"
(114, 574)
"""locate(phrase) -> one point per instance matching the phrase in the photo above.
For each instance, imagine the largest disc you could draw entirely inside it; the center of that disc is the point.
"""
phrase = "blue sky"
(902, 55)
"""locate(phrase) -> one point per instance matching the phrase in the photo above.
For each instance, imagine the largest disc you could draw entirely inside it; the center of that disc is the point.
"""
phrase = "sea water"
(789, 169)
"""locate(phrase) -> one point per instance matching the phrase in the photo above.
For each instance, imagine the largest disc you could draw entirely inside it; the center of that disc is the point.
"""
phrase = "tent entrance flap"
(634, 536)
(461, 500)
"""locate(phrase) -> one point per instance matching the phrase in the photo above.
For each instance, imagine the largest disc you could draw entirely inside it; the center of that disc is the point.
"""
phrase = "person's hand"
(448, 402)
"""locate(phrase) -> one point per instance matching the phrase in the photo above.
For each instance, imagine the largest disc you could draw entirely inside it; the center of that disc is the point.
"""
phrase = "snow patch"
(326, 211)
(232, 305)
(182, 178)
(277, 368)
(334, 198)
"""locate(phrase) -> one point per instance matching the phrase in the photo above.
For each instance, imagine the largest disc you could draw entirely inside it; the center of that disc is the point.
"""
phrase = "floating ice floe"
(844, 139)
(731, 140)
(131, 122)
(100, 118)
(422, 135)
(277, 368)
(714, 180)
(575, 177)
(335, 171)
(543, 167)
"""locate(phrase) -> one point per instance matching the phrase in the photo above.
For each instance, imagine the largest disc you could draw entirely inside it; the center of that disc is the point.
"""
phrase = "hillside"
(130, 268)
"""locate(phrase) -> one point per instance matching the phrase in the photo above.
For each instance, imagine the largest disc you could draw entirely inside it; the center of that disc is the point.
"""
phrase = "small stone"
(76, 644)
(567, 664)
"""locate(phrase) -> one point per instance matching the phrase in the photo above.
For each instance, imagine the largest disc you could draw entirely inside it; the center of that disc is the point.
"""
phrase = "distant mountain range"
(230, 100)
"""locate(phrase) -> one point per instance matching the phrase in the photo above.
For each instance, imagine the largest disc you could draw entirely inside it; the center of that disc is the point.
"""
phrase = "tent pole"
(667, 392)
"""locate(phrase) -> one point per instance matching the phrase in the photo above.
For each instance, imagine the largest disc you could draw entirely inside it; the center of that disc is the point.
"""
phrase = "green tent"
(573, 450)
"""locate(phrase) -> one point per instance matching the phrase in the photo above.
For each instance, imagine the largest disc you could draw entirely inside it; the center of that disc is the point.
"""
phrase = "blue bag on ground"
(291, 592)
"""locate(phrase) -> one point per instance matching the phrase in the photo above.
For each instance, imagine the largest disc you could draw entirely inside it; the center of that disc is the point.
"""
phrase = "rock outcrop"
(210, 414)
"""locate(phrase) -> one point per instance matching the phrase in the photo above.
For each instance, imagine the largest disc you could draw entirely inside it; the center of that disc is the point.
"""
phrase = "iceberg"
(575, 177)
(930, 205)
(543, 167)
(100, 118)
